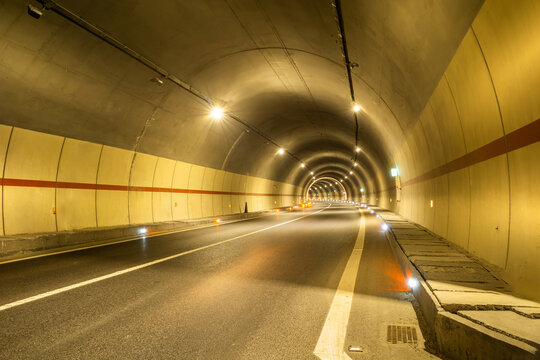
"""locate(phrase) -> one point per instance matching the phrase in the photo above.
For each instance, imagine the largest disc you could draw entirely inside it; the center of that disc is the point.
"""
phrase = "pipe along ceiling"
(336, 86)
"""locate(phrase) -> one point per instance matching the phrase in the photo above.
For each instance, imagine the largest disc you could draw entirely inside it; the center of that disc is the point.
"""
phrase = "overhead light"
(281, 151)
(34, 12)
(356, 108)
(357, 149)
(350, 172)
(394, 172)
(361, 189)
(216, 113)
(341, 180)
(384, 226)
(157, 80)
(355, 164)
(345, 177)
(311, 173)
(302, 165)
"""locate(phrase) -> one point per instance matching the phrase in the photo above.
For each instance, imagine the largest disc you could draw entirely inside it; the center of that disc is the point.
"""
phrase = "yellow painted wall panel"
(79, 161)
(227, 199)
(140, 202)
(207, 200)
(524, 248)
(180, 206)
(434, 139)
(163, 178)
(33, 155)
(196, 177)
(162, 206)
(429, 212)
(75, 209)
(181, 175)
(440, 206)
(489, 210)
(112, 208)
(114, 169)
(19, 202)
(140, 207)
(194, 206)
(473, 91)
(508, 33)
(5, 133)
(114, 166)
(447, 118)
(142, 170)
(208, 179)
(195, 183)
(207, 206)
(217, 200)
(459, 207)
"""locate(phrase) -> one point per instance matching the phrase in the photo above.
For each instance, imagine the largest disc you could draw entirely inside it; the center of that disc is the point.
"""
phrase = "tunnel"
(125, 123)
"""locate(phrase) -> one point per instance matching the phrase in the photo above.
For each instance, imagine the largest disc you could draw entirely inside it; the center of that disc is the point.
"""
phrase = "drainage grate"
(401, 334)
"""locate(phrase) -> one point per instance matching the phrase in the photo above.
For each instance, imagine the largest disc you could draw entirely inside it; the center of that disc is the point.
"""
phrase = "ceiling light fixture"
(216, 113)
(357, 149)
(356, 108)
(281, 151)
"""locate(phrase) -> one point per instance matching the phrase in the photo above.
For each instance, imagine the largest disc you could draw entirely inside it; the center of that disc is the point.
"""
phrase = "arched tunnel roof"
(278, 68)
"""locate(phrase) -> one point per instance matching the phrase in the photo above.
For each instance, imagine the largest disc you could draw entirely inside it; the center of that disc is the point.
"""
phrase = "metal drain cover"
(401, 334)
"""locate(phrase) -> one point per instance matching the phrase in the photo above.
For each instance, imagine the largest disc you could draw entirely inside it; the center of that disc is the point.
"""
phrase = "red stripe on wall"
(86, 186)
(527, 135)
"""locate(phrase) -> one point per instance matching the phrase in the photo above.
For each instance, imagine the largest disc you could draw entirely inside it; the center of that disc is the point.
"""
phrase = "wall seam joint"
(505, 146)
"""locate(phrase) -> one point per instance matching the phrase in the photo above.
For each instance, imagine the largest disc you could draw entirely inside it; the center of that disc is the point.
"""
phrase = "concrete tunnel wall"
(474, 150)
(467, 151)
(68, 184)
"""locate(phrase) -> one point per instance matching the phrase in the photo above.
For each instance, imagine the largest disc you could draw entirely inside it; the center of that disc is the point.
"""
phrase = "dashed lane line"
(142, 266)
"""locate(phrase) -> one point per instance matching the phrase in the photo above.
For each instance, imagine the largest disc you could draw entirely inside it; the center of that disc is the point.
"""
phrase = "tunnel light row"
(217, 113)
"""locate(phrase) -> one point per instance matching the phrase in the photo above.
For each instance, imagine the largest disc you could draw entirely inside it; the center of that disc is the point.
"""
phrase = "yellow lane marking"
(142, 266)
(332, 339)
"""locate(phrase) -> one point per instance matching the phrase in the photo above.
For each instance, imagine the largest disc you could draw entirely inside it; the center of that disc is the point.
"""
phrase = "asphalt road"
(254, 289)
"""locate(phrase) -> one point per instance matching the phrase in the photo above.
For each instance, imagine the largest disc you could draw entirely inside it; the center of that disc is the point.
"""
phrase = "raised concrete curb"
(458, 337)
(28, 245)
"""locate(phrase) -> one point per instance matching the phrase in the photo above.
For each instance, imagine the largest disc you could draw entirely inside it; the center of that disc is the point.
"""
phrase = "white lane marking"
(142, 266)
(138, 237)
(332, 339)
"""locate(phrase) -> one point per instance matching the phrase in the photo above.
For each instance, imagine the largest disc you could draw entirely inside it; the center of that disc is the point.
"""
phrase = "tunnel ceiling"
(276, 66)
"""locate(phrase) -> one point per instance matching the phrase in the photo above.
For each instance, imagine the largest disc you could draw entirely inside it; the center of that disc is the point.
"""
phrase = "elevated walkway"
(474, 313)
